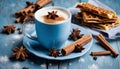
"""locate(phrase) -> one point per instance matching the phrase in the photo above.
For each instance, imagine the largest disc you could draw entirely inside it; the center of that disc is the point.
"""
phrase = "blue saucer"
(35, 48)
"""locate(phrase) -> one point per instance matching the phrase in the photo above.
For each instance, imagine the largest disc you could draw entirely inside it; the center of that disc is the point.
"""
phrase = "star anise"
(75, 34)
(79, 48)
(52, 15)
(8, 29)
(54, 52)
(20, 53)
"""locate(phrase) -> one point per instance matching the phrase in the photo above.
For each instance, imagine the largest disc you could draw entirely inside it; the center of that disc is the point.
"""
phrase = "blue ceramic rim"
(53, 7)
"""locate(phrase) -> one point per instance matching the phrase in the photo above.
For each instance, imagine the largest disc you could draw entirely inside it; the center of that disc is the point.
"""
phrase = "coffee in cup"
(52, 32)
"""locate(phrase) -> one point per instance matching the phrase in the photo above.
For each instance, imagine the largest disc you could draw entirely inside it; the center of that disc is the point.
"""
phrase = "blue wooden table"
(7, 42)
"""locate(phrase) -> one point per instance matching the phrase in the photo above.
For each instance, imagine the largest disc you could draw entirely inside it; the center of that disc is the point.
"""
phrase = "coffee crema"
(56, 20)
(62, 16)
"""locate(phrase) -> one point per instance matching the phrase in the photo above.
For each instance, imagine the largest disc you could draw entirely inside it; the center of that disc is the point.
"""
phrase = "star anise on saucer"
(75, 34)
(54, 52)
(20, 53)
(8, 29)
(52, 15)
(79, 48)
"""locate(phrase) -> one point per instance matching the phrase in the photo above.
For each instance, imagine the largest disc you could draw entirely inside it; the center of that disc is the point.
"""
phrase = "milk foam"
(60, 12)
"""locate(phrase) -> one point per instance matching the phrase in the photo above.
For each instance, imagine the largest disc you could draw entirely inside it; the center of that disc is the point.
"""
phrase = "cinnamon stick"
(17, 20)
(41, 3)
(20, 12)
(29, 9)
(100, 53)
(25, 11)
(28, 3)
(71, 47)
(28, 17)
(100, 38)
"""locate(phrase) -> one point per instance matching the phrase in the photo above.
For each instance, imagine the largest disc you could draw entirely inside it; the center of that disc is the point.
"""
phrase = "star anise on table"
(52, 15)
(75, 34)
(79, 48)
(20, 53)
(8, 29)
(54, 52)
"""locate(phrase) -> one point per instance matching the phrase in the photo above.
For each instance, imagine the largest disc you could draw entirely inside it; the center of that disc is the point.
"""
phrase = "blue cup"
(52, 35)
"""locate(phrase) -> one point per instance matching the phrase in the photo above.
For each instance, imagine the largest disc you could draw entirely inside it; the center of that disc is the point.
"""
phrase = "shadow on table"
(36, 59)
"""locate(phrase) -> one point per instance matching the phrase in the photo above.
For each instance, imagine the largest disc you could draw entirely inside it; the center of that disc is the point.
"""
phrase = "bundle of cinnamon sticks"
(27, 13)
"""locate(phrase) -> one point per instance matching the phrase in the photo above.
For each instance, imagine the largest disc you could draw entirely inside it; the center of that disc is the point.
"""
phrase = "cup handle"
(31, 37)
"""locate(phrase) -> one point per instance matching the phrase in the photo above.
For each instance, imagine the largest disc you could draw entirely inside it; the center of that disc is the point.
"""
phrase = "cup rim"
(52, 7)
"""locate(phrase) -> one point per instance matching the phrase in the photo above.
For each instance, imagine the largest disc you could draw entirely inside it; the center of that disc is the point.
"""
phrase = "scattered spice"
(79, 48)
(25, 67)
(19, 30)
(8, 29)
(94, 58)
(52, 15)
(20, 53)
(75, 34)
(54, 52)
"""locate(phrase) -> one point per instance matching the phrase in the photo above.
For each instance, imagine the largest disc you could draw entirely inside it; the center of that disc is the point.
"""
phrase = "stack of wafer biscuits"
(97, 17)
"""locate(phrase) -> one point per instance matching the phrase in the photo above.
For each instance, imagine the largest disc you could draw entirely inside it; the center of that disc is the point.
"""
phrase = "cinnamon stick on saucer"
(71, 47)
(100, 38)
(100, 53)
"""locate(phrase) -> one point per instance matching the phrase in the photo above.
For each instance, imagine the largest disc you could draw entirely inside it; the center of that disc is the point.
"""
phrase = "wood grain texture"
(114, 4)
(52, 64)
(118, 45)
(64, 64)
